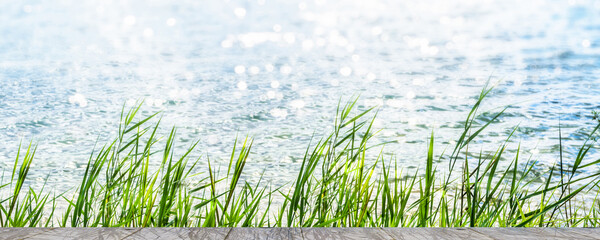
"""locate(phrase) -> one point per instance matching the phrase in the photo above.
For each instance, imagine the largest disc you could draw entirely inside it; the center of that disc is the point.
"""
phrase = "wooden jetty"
(300, 233)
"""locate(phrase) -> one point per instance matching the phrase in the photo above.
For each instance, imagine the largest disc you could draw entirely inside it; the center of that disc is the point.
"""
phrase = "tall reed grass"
(337, 185)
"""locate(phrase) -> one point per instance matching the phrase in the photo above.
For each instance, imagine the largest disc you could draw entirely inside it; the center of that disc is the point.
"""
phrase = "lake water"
(275, 70)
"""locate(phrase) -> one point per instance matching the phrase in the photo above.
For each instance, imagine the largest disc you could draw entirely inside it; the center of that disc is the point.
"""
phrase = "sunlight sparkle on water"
(254, 70)
(308, 44)
(376, 30)
(171, 22)
(242, 85)
(239, 69)
(586, 43)
(148, 32)
(370, 77)
(274, 84)
(285, 69)
(278, 113)
(269, 67)
(345, 71)
(78, 99)
(297, 104)
(240, 12)
(129, 20)
(227, 43)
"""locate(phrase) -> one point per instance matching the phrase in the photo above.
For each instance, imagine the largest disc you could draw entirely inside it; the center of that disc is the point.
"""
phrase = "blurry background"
(275, 70)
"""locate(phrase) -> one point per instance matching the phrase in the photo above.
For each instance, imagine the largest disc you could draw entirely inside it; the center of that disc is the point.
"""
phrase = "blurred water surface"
(275, 70)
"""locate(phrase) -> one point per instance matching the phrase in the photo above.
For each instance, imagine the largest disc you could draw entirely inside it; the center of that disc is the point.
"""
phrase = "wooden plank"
(433, 233)
(21, 233)
(210, 233)
(120, 233)
(181, 233)
(300, 233)
(265, 233)
(532, 233)
(592, 233)
(344, 233)
(85, 233)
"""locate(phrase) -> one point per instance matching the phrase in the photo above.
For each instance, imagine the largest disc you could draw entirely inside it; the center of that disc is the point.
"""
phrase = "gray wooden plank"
(344, 233)
(86, 233)
(122, 233)
(21, 233)
(181, 233)
(593, 233)
(433, 233)
(300, 233)
(210, 233)
(531, 233)
(265, 233)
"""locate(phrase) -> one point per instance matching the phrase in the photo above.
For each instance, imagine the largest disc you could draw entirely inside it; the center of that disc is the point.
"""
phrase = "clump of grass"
(337, 185)
(23, 207)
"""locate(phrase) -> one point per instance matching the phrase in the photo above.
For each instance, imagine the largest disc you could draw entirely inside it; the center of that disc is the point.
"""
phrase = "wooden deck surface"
(300, 233)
